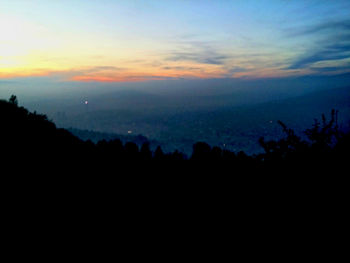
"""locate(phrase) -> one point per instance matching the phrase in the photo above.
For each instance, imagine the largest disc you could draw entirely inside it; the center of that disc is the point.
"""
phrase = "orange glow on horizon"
(107, 79)
(24, 73)
(133, 41)
(79, 75)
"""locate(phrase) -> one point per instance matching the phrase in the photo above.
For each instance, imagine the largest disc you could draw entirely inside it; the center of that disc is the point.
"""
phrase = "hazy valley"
(227, 117)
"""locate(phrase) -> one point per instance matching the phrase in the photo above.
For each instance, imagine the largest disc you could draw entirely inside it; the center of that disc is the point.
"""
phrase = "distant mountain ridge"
(96, 136)
(30, 140)
(237, 128)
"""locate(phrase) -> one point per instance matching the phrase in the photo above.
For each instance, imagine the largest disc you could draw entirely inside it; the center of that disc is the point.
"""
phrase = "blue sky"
(123, 41)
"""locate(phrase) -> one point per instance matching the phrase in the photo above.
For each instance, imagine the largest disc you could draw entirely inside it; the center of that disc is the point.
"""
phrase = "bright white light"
(86, 102)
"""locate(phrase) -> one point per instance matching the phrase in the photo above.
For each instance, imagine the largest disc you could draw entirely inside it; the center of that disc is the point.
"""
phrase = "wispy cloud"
(206, 57)
(333, 43)
(332, 51)
(120, 78)
(97, 70)
(332, 69)
(198, 52)
(322, 28)
(180, 68)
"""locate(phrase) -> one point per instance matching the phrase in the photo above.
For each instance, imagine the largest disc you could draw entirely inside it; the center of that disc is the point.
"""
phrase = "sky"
(138, 41)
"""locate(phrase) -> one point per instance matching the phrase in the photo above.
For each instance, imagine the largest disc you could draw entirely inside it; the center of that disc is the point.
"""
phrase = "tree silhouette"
(324, 136)
(13, 100)
(145, 152)
(131, 151)
(216, 154)
(29, 138)
(158, 154)
(201, 152)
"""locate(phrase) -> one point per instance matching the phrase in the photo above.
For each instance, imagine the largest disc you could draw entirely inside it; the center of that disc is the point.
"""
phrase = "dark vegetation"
(83, 185)
(30, 140)
(219, 120)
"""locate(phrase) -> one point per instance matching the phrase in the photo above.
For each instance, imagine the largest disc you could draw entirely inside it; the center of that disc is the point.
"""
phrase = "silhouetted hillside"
(95, 137)
(29, 139)
(224, 120)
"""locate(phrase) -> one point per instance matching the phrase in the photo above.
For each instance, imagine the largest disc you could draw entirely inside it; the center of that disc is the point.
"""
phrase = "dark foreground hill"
(30, 140)
(234, 121)
(85, 188)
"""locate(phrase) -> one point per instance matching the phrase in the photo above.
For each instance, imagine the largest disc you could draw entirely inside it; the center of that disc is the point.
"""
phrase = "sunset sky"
(134, 40)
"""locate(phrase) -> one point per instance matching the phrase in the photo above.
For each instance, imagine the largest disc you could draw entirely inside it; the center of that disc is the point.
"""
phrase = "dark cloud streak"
(199, 52)
(202, 57)
(333, 45)
(324, 28)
